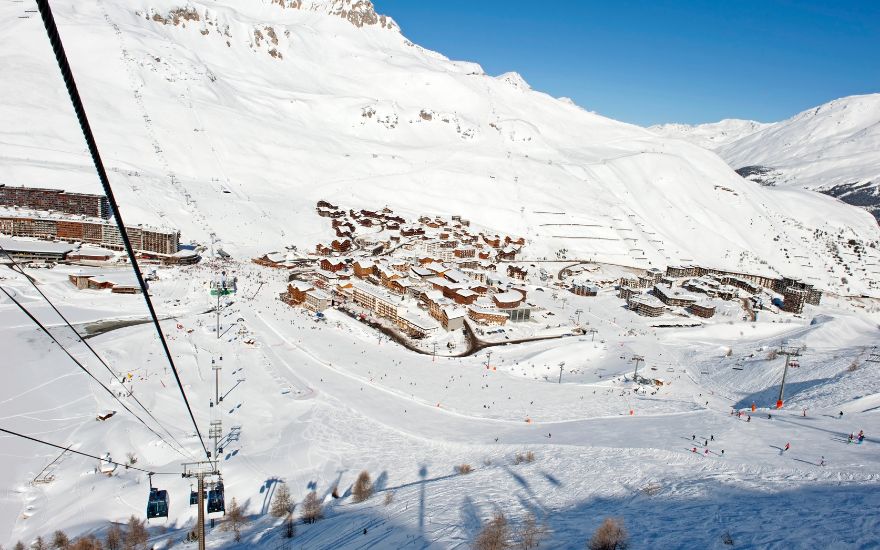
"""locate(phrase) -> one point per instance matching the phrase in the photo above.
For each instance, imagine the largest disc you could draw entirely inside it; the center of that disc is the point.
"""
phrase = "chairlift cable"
(69, 450)
(84, 369)
(76, 100)
(90, 348)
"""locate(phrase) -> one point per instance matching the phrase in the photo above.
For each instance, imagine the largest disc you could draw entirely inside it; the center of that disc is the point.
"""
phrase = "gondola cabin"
(157, 505)
(216, 501)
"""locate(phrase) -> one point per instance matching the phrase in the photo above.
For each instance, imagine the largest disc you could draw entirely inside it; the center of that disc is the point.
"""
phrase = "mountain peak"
(357, 12)
(514, 79)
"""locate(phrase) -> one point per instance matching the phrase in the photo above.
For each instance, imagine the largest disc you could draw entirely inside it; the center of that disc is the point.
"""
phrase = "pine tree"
(235, 519)
(136, 536)
(60, 541)
(40, 544)
(113, 539)
(18, 546)
(281, 504)
(311, 508)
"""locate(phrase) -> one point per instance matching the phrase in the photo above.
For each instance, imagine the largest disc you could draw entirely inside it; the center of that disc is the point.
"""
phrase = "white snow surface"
(238, 142)
(235, 119)
(833, 144)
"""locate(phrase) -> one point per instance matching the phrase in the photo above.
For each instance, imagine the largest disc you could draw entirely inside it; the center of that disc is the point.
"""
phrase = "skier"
(805, 413)
(787, 446)
(748, 418)
(712, 437)
(769, 416)
(722, 452)
(693, 437)
(841, 414)
(707, 452)
(822, 461)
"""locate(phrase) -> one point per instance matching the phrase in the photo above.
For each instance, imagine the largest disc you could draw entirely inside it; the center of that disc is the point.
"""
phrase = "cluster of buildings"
(54, 215)
(420, 276)
(119, 282)
(711, 283)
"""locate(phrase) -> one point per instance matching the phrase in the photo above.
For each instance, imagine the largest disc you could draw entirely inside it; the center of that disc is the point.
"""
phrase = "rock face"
(358, 12)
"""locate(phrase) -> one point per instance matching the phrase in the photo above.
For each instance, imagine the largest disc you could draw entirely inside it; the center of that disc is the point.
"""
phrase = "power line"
(67, 74)
(81, 366)
(69, 450)
(90, 348)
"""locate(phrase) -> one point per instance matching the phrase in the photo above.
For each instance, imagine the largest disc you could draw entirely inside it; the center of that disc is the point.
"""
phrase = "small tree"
(495, 535)
(40, 544)
(611, 535)
(113, 538)
(312, 510)
(281, 505)
(19, 546)
(60, 541)
(87, 543)
(772, 355)
(136, 535)
(363, 487)
(235, 519)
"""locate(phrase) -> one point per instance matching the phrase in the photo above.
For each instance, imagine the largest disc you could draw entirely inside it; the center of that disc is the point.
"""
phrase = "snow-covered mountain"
(711, 135)
(832, 148)
(234, 118)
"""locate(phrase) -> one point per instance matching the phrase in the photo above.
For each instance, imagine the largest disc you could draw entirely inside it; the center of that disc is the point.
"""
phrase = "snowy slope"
(832, 148)
(711, 135)
(234, 118)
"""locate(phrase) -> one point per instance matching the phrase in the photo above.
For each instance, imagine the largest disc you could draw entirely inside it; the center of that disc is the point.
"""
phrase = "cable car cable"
(86, 343)
(67, 74)
(68, 449)
(84, 369)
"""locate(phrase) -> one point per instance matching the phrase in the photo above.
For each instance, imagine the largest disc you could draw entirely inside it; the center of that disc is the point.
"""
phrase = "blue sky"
(663, 61)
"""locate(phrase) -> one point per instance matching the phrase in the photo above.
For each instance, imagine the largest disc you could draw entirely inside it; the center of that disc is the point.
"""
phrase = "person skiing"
(712, 437)
(841, 414)
(822, 461)
(748, 418)
(707, 452)
(693, 437)
(787, 446)
(722, 452)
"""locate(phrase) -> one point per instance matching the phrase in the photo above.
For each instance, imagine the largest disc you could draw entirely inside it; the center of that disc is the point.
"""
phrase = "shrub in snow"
(113, 538)
(464, 469)
(530, 534)
(495, 535)
(611, 535)
(363, 487)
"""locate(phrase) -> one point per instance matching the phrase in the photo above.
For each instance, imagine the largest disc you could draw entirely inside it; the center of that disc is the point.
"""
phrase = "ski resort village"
(274, 276)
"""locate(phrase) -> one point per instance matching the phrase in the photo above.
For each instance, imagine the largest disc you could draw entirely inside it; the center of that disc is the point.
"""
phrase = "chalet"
(411, 231)
(417, 326)
(323, 250)
(516, 272)
(296, 292)
(464, 296)
(646, 305)
(486, 316)
(582, 288)
(484, 254)
(702, 309)
(325, 279)
(508, 254)
(465, 252)
(494, 241)
(400, 286)
(419, 273)
(672, 297)
(363, 268)
(317, 300)
(508, 300)
(332, 264)
(453, 318)
(343, 245)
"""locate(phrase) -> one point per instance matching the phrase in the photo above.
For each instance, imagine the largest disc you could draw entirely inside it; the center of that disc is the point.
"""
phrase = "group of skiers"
(858, 438)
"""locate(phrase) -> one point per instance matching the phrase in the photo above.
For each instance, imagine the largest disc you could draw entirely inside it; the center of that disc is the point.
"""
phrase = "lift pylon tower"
(201, 470)
(788, 352)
